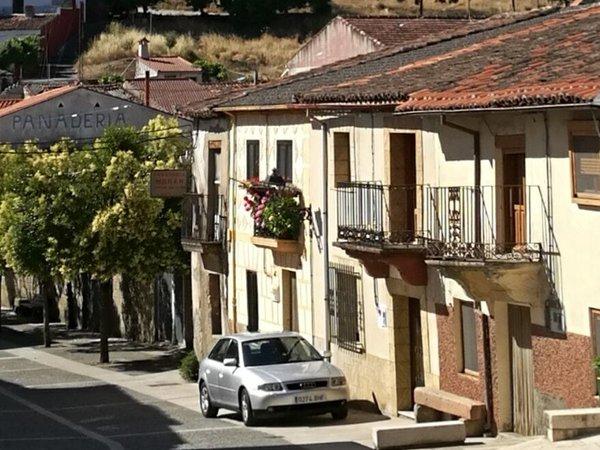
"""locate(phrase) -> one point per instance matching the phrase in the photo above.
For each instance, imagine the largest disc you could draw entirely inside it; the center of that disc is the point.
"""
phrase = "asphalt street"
(44, 407)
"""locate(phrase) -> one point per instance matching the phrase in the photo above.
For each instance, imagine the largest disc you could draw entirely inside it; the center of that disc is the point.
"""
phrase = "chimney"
(147, 89)
(143, 51)
(29, 11)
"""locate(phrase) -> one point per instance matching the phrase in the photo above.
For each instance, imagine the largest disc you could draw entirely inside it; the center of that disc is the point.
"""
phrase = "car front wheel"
(206, 407)
(340, 413)
(246, 409)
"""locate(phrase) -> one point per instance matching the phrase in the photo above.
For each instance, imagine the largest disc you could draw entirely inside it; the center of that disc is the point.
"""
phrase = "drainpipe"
(325, 230)
(487, 353)
(233, 207)
(147, 88)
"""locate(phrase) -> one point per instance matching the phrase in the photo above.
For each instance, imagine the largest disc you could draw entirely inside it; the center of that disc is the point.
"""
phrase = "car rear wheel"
(340, 413)
(206, 407)
(246, 409)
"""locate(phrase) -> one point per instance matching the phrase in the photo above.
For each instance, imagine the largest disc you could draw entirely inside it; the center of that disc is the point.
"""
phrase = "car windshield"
(280, 350)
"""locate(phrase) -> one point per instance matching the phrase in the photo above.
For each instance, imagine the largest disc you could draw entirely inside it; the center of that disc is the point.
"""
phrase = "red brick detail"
(562, 367)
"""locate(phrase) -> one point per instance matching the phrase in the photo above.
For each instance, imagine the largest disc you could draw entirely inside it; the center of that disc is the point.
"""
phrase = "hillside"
(216, 39)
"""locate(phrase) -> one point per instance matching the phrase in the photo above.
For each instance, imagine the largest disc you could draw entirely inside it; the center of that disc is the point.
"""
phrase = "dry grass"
(267, 54)
(114, 49)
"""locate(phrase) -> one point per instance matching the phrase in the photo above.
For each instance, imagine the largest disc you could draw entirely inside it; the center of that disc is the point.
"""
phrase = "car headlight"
(271, 387)
(338, 381)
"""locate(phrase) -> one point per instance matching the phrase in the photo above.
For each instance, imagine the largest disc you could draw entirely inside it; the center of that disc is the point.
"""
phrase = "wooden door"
(252, 293)
(519, 329)
(403, 194)
(290, 301)
(513, 190)
(417, 372)
(214, 292)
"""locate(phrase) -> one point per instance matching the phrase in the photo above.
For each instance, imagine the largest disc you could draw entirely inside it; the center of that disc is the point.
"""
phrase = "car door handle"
(220, 375)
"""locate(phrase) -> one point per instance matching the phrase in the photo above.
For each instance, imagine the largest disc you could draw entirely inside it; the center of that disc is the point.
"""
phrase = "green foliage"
(282, 217)
(111, 79)
(23, 51)
(596, 364)
(211, 70)
(188, 367)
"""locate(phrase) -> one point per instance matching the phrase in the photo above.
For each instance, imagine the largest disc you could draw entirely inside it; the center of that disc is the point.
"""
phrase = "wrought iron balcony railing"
(459, 222)
(371, 212)
(203, 219)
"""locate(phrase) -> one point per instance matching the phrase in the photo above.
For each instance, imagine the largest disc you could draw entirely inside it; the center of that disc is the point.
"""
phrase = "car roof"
(253, 336)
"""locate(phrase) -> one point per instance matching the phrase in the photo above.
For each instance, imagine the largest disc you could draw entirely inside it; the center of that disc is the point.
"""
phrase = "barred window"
(346, 308)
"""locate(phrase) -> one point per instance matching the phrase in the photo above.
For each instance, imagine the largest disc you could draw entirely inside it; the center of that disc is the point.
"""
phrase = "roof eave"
(429, 112)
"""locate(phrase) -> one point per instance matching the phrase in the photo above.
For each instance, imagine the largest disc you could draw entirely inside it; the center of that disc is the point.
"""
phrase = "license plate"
(309, 398)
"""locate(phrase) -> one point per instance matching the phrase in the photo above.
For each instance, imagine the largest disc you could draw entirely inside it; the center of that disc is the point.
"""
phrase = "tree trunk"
(72, 309)
(46, 305)
(11, 286)
(105, 304)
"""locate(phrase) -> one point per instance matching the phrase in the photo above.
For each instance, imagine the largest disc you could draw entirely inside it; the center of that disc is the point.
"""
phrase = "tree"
(20, 52)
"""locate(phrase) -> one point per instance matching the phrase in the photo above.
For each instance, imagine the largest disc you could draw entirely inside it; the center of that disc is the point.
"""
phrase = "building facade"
(459, 212)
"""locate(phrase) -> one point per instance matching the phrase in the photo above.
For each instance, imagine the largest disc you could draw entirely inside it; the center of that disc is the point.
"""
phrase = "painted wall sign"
(66, 122)
(168, 183)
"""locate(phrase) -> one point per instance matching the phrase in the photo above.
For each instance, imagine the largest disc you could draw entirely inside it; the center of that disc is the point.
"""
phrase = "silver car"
(265, 374)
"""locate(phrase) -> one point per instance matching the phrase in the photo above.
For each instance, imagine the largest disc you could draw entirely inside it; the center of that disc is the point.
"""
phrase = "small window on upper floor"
(584, 147)
(341, 157)
(285, 160)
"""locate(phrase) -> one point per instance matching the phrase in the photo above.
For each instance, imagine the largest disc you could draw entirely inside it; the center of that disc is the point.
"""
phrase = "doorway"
(252, 293)
(290, 301)
(521, 368)
(513, 188)
(403, 194)
(417, 372)
(214, 292)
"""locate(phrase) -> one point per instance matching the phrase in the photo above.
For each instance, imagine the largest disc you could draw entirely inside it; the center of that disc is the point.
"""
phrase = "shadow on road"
(51, 419)
(328, 446)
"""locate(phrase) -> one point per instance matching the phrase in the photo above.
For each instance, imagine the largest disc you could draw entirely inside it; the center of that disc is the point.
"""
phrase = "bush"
(282, 217)
(188, 368)
(211, 70)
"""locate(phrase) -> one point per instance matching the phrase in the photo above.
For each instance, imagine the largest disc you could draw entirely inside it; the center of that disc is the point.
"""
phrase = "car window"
(269, 351)
(218, 351)
(232, 351)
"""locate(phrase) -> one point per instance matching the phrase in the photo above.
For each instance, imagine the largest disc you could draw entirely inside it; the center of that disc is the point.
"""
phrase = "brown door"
(521, 359)
(214, 291)
(417, 373)
(513, 190)
(290, 301)
(403, 195)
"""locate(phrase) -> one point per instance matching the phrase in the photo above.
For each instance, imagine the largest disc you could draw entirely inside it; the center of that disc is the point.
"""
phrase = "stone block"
(450, 403)
(569, 423)
(474, 427)
(424, 414)
(420, 434)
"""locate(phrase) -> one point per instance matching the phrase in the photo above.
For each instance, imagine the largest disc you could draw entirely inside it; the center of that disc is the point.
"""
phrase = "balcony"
(203, 229)
(495, 241)
(385, 226)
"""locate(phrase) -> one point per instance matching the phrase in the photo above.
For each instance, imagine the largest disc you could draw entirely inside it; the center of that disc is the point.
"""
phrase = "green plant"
(188, 367)
(282, 217)
(211, 70)
(111, 79)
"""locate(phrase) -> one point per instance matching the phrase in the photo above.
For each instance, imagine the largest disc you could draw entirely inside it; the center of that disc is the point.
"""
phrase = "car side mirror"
(230, 362)
(327, 355)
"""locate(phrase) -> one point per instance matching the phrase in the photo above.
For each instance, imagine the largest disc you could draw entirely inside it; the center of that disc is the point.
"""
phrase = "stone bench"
(569, 423)
(430, 402)
(420, 434)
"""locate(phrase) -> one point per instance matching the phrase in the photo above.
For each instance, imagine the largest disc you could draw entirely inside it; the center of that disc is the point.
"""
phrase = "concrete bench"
(430, 402)
(420, 434)
(569, 423)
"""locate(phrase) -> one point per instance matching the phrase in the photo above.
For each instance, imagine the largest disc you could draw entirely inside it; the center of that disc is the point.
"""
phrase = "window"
(584, 144)
(218, 351)
(252, 159)
(284, 160)
(341, 157)
(468, 337)
(345, 307)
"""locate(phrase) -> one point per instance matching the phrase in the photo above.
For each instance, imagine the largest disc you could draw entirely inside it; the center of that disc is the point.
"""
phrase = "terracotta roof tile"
(170, 64)
(22, 22)
(173, 95)
(4, 103)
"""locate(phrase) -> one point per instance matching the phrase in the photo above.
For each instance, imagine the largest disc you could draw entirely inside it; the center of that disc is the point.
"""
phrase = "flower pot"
(278, 245)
